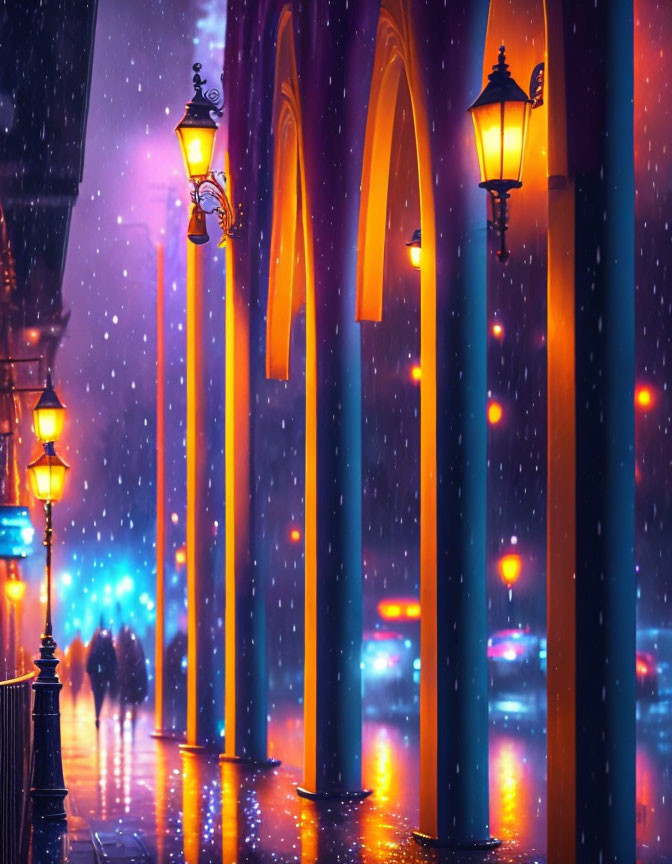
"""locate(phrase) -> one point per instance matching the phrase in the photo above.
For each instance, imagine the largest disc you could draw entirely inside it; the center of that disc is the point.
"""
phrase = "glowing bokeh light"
(495, 413)
(510, 567)
(399, 609)
(644, 397)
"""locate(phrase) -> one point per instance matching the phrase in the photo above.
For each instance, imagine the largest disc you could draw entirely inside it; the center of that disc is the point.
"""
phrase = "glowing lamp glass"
(14, 590)
(47, 477)
(197, 144)
(48, 415)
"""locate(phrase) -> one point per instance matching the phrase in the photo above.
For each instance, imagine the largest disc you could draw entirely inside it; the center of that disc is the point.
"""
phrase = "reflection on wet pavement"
(189, 808)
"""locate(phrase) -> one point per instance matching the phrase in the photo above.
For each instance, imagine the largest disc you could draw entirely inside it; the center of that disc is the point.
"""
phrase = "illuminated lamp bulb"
(48, 414)
(415, 249)
(47, 476)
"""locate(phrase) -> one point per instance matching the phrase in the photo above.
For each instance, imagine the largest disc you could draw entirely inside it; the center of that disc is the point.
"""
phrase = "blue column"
(335, 48)
(451, 42)
(248, 91)
(601, 158)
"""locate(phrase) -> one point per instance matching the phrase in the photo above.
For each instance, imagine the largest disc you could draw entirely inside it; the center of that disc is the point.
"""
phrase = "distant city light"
(495, 413)
(399, 609)
(497, 330)
(644, 397)
(174, 518)
(295, 535)
(416, 372)
(510, 567)
(181, 556)
(14, 590)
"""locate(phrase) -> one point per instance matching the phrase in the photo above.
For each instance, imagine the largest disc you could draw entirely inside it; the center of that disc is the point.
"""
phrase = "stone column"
(335, 47)
(591, 597)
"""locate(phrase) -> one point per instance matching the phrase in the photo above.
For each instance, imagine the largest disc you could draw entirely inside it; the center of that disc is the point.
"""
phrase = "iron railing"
(15, 749)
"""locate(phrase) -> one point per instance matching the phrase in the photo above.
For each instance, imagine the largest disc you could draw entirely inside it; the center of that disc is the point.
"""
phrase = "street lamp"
(47, 477)
(48, 414)
(415, 248)
(501, 115)
(196, 133)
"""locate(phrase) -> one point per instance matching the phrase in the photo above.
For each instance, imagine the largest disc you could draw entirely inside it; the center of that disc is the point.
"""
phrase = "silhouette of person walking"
(101, 665)
(76, 664)
(132, 671)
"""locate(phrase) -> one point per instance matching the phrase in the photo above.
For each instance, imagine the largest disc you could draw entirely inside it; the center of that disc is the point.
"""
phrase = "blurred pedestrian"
(76, 664)
(101, 665)
(132, 670)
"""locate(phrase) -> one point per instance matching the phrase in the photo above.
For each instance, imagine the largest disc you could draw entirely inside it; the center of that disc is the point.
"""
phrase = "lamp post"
(196, 133)
(501, 115)
(47, 477)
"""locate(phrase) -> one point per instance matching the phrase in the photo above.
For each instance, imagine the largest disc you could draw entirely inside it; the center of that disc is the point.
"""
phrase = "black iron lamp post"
(47, 477)
(501, 115)
(196, 133)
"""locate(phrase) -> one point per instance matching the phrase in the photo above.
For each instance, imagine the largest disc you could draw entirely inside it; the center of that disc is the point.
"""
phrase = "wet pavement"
(191, 809)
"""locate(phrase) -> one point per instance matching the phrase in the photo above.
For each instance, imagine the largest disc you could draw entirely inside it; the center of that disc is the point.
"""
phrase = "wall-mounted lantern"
(196, 133)
(501, 115)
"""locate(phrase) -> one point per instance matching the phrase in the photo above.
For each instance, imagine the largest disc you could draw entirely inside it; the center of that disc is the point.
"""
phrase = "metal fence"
(15, 749)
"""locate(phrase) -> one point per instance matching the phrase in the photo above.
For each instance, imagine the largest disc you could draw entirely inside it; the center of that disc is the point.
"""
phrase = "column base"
(245, 762)
(167, 734)
(439, 843)
(352, 795)
(199, 749)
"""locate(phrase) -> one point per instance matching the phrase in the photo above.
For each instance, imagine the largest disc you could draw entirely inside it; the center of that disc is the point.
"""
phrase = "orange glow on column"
(237, 472)
(495, 413)
(160, 494)
(195, 458)
(510, 567)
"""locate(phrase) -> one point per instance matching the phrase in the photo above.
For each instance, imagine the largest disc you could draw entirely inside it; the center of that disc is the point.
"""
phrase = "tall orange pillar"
(201, 720)
(159, 643)
(247, 102)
